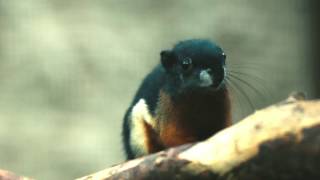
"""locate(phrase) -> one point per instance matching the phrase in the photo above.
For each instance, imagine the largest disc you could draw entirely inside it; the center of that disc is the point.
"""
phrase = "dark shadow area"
(284, 159)
(315, 46)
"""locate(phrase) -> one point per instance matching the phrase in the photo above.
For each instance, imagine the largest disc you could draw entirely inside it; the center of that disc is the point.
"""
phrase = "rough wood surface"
(279, 142)
(6, 175)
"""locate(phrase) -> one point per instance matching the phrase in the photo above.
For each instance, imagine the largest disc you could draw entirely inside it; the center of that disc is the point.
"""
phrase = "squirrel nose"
(205, 77)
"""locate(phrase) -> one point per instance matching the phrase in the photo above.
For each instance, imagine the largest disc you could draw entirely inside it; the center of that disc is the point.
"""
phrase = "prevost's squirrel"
(183, 99)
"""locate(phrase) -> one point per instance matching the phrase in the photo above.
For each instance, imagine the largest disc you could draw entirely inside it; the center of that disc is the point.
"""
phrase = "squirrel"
(183, 99)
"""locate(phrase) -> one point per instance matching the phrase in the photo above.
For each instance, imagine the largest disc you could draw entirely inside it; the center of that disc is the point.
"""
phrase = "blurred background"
(69, 69)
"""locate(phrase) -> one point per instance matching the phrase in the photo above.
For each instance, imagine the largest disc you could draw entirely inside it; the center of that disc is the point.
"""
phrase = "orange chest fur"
(182, 123)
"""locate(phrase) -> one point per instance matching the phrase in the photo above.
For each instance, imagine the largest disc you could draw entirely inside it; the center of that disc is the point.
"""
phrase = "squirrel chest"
(193, 118)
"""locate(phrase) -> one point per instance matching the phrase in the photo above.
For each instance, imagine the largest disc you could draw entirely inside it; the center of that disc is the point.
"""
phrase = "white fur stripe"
(139, 115)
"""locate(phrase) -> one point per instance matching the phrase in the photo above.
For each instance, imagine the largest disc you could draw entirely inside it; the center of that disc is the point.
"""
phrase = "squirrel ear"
(167, 59)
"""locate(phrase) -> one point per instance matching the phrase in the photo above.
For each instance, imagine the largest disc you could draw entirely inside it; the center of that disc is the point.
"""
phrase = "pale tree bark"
(6, 175)
(279, 142)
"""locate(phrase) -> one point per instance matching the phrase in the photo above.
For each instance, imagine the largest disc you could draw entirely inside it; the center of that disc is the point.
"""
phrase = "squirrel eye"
(186, 63)
(224, 55)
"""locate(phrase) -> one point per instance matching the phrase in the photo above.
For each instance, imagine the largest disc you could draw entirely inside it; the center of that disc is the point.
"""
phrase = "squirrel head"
(194, 65)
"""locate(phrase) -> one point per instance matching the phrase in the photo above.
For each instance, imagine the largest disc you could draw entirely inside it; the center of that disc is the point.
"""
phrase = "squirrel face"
(194, 65)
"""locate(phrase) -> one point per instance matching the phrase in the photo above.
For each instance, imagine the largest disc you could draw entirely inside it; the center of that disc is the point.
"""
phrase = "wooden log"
(279, 142)
(6, 175)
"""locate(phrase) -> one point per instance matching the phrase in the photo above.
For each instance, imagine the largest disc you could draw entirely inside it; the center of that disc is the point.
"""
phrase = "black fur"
(177, 77)
(148, 90)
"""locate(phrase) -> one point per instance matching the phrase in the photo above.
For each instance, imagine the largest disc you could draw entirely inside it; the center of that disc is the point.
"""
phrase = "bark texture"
(279, 142)
(6, 175)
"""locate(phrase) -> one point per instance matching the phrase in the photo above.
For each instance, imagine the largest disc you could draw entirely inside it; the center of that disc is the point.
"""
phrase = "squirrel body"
(183, 99)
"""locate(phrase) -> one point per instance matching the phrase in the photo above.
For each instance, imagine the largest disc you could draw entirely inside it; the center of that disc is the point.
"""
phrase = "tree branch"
(6, 175)
(279, 142)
